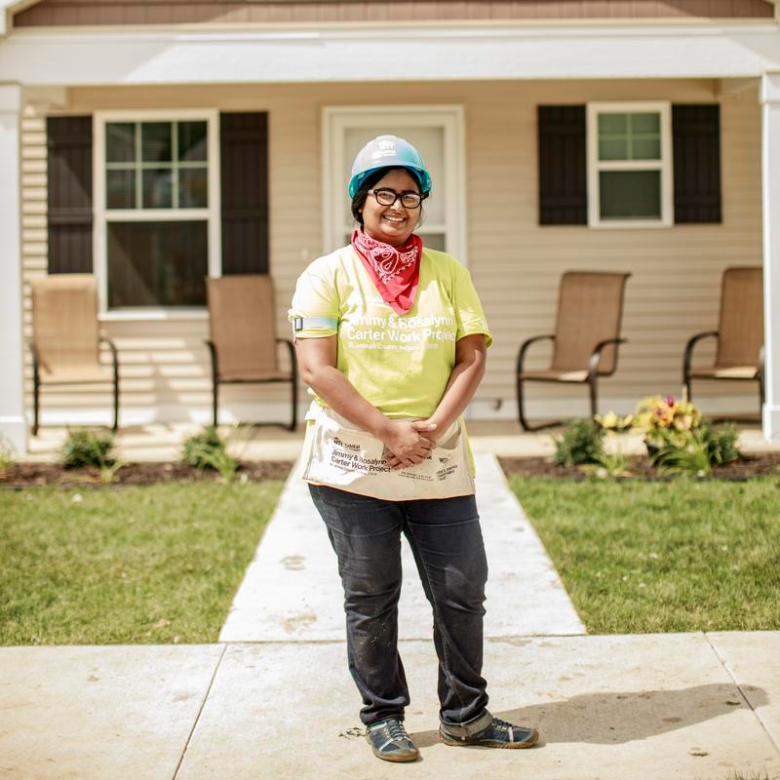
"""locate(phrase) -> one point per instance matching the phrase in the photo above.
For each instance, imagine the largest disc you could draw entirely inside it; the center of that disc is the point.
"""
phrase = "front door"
(437, 133)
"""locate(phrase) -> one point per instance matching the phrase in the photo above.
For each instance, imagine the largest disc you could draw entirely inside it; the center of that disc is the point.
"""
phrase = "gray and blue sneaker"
(390, 742)
(488, 731)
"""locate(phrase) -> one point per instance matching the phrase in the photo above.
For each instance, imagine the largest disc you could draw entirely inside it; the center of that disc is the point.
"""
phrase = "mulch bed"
(32, 474)
(755, 465)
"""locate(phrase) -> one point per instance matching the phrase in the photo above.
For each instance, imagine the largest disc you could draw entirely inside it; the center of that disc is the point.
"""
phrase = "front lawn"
(146, 565)
(641, 557)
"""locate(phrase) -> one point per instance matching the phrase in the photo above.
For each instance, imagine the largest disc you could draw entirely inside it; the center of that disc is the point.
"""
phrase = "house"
(155, 143)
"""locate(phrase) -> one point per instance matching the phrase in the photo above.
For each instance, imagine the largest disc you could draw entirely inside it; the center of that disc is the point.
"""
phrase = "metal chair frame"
(591, 379)
(293, 379)
(688, 372)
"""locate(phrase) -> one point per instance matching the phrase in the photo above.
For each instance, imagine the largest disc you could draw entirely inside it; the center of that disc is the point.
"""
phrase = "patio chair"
(66, 342)
(243, 343)
(740, 334)
(586, 338)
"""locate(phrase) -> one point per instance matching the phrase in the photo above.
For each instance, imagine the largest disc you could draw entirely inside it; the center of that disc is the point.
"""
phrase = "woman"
(391, 339)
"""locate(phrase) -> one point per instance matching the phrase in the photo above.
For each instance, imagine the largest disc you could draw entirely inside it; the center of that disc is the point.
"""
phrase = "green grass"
(114, 566)
(653, 557)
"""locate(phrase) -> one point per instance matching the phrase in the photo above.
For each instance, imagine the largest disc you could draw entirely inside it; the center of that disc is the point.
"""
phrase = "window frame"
(102, 215)
(336, 120)
(595, 166)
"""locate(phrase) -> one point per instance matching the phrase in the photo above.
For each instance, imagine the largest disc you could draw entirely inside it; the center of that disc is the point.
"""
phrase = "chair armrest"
(688, 357)
(111, 346)
(114, 355)
(595, 357)
(524, 348)
(214, 362)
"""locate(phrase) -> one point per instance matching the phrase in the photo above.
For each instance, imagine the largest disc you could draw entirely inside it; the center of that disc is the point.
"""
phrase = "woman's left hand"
(422, 427)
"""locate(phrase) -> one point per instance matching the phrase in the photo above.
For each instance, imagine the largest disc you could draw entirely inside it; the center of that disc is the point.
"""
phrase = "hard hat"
(388, 151)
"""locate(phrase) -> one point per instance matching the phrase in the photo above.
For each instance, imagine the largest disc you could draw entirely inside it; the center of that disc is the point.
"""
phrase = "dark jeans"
(446, 540)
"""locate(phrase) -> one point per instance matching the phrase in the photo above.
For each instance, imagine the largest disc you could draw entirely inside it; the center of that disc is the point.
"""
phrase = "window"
(629, 165)
(157, 210)
(436, 131)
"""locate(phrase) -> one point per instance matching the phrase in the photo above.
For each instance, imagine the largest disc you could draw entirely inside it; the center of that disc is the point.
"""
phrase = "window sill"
(152, 315)
(630, 224)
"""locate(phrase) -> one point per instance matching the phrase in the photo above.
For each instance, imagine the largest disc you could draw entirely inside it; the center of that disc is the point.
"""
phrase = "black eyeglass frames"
(387, 197)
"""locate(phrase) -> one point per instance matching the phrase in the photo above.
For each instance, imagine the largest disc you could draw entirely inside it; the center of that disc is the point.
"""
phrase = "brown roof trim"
(148, 13)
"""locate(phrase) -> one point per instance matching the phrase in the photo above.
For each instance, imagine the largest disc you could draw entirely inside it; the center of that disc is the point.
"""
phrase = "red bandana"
(394, 270)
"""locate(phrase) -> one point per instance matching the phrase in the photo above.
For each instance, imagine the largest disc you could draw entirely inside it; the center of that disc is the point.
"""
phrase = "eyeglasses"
(388, 197)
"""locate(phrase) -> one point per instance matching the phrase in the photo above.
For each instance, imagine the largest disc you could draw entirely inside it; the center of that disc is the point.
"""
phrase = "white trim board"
(512, 51)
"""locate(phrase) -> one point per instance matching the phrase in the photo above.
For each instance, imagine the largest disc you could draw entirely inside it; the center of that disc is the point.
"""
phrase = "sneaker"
(390, 742)
(497, 733)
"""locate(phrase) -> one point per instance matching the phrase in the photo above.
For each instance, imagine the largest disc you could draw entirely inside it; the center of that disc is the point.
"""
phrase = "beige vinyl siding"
(140, 12)
(516, 264)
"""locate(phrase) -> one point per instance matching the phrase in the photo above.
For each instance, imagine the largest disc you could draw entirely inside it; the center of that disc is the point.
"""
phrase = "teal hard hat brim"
(422, 177)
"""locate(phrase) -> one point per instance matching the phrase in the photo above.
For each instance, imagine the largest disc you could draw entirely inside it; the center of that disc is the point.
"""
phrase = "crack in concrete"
(200, 711)
(741, 692)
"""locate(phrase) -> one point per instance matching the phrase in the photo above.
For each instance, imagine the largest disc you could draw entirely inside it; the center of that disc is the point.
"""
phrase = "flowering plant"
(613, 423)
(665, 421)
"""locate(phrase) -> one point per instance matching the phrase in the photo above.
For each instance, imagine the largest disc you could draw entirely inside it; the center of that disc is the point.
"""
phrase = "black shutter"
(563, 195)
(69, 209)
(244, 154)
(696, 134)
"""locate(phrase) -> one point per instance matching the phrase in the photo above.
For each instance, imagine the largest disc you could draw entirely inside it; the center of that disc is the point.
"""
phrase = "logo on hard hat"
(385, 145)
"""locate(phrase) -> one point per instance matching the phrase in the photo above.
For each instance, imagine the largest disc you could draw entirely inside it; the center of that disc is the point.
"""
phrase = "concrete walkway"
(654, 707)
(292, 591)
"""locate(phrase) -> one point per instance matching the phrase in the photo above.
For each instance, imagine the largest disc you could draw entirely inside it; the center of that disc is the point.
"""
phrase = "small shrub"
(224, 463)
(87, 449)
(692, 456)
(612, 465)
(722, 442)
(581, 442)
(702, 449)
(207, 450)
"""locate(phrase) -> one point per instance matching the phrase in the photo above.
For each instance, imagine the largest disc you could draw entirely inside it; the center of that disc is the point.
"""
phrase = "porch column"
(770, 170)
(13, 425)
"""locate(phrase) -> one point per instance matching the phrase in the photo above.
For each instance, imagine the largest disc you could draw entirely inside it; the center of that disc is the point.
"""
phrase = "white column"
(770, 169)
(13, 425)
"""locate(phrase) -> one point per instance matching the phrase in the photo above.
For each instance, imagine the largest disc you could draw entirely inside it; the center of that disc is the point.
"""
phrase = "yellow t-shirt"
(399, 364)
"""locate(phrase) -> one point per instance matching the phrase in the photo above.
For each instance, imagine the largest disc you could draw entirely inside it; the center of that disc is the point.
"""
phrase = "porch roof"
(73, 57)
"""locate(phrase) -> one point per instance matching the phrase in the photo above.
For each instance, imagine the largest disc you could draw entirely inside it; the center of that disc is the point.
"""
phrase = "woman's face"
(391, 224)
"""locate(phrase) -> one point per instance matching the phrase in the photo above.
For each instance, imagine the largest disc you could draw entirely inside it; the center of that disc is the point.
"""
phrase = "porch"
(485, 114)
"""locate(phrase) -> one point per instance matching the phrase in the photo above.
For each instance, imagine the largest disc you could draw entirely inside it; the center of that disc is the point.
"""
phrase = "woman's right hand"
(406, 441)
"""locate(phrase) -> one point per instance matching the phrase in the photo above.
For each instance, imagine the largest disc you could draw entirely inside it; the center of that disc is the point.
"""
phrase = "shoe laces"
(501, 724)
(396, 730)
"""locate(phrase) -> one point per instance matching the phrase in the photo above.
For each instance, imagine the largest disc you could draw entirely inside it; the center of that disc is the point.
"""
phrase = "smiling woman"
(391, 339)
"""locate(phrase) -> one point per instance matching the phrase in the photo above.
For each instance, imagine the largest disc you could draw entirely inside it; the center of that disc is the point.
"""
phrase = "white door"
(437, 133)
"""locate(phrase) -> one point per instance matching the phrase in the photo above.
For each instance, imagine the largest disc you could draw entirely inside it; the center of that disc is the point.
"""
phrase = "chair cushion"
(250, 375)
(729, 372)
(557, 376)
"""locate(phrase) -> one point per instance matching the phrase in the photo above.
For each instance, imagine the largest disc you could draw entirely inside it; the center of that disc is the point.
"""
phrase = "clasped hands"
(409, 442)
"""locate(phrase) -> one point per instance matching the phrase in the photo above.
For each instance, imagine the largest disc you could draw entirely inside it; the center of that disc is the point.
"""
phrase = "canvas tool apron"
(338, 454)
